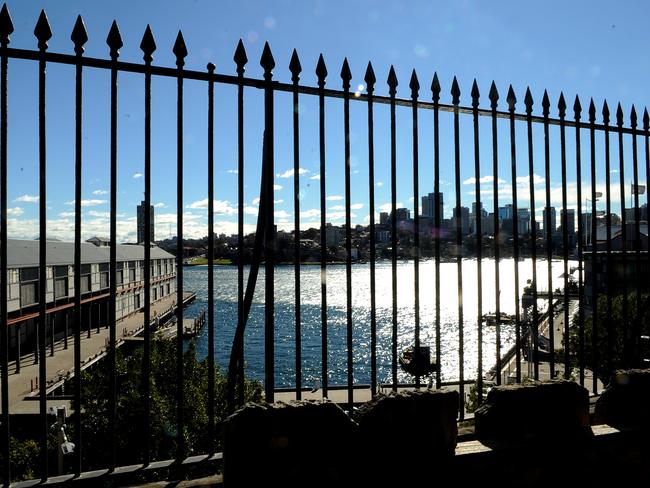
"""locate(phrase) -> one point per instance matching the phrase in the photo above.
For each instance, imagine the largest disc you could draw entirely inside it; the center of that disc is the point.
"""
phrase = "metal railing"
(541, 245)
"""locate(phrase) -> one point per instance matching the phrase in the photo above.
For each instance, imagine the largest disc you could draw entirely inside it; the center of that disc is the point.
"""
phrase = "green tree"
(131, 432)
(618, 336)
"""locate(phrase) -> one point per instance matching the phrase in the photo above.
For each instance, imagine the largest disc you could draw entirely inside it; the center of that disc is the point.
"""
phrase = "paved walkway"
(23, 389)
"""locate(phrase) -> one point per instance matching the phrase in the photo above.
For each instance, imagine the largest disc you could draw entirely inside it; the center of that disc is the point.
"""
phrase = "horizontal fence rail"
(580, 314)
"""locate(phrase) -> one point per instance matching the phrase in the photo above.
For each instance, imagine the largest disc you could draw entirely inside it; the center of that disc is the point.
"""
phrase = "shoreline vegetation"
(201, 261)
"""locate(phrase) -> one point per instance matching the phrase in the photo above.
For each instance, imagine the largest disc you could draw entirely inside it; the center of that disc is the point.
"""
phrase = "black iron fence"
(599, 258)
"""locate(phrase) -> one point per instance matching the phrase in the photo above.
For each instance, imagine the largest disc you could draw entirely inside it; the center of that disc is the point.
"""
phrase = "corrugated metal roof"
(24, 254)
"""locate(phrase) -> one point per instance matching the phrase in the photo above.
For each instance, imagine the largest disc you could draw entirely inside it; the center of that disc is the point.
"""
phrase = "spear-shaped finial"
(321, 71)
(392, 82)
(605, 112)
(455, 92)
(592, 111)
(511, 99)
(414, 85)
(346, 75)
(370, 79)
(435, 87)
(475, 94)
(561, 105)
(528, 101)
(619, 115)
(633, 118)
(79, 36)
(180, 50)
(240, 58)
(114, 40)
(546, 104)
(646, 119)
(577, 108)
(6, 25)
(42, 31)
(148, 44)
(267, 62)
(493, 95)
(294, 67)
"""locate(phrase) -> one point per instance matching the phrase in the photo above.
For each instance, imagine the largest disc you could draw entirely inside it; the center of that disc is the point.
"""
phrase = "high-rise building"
(549, 219)
(141, 227)
(505, 212)
(570, 221)
(383, 218)
(430, 203)
(464, 219)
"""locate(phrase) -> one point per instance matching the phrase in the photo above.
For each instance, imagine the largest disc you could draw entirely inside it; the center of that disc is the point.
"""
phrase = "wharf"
(23, 386)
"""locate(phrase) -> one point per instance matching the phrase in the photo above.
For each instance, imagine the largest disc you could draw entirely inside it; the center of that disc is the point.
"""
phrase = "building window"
(137, 301)
(28, 294)
(131, 275)
(168, 288)
(155, 293)
(60, 287)
(162, 291)
(60, 271)
(119, 277)
(85, 278)
(159, 268)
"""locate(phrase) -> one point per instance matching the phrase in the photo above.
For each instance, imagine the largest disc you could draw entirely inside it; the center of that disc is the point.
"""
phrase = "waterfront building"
(23, 286)
(431, 203)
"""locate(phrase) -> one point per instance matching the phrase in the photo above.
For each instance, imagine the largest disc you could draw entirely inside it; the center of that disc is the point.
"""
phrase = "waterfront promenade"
(23, 388)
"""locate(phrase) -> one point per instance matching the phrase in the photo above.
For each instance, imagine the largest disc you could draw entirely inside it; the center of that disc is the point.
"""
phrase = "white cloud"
(310, 214)
(380, 183)
(334, 198)
(523, 180)
(337, 207)
(315, 177)
(27, 198)
(356, 206)
(277, 187)
(160, 205)
(15, 212)
(256, 201)
(248, 210)
(232, 171)
(386, 207)
(289, 173)
(282, 214)
(100, 192)
(220, 207)
(88, 203)
(137, 175)
(482, 180)
(94, 213)
(66, 215)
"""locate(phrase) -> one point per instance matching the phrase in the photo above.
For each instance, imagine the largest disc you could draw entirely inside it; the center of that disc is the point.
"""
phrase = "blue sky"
(594, 49)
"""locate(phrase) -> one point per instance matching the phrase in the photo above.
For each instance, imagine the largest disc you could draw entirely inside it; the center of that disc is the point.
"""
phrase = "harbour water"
(225, 285)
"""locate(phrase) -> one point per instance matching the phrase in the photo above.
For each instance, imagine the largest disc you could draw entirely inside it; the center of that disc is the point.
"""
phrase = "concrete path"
(23, 387)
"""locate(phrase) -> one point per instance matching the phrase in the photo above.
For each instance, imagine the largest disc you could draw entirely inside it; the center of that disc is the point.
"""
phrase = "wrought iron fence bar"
(579, 238)
(494, 97)
(148, 48)
(321, 72)
(478, 215)
(636, 329)
(43, 34)
(565, 236)
(415, 86)
(346, 76)
(240, 213)
(295, 68)
(392, 84)
(79, 36)
(534, 352)
(211, 362)
(114, 42)
(455, 92)
(370, 83)
(435, 91)
(180, 51)
(625, 308)
(268, 64)
(608, 224)
(515, 231)
(594, 290)
(548, 230)
(4, 334)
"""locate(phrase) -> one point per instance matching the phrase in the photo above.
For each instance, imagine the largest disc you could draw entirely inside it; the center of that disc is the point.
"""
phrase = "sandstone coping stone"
(409, 430)
(626, 400)
(551, 410)
(303, 443)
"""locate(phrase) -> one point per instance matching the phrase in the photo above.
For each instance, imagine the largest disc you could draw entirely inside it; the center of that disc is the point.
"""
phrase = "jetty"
(24, 386)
